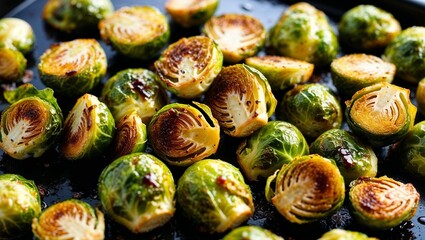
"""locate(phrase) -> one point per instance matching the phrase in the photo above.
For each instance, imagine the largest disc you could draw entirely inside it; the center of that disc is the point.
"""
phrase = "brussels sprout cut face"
(19, 204)
(137, 32)
(182, 134)
(137, 191)
(88, 129)
(17, 34)
(12, 65)
(73, 68)
(188, 67)
(238, 36)
(382, 203)
(213, 196)
(420, 96)
(411, 151)
(241, 100)
(251, 232)
(189, 13)
(381, 113)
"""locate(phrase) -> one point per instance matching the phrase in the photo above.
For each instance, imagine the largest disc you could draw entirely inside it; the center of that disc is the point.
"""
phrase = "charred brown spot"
(71, 73)
(142, 88)
(150, 179)
(221, 180)
(346, 156)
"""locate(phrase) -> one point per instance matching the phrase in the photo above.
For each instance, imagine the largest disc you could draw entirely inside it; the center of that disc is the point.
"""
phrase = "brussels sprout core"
(130, 135)
(190, 13)
(16, 34)
(12, 65)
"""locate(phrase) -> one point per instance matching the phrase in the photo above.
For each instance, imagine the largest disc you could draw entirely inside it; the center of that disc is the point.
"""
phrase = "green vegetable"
(341, 234)
(251, 233)
(16, 34)
(12, 65)
(190, 13)
(420, 96)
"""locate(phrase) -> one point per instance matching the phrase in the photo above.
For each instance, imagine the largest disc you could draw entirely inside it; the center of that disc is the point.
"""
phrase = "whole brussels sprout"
(251, 233)
(420, 96)
(411, 151)
(12, 65)
(137, 191)
(212, 194)
(282, 72)
(307, 189)
(137, 32)
(17, 34)
(267, 149)
(134, 89)
(382, 203)
(241, 100)
(341, 234)
(312, 108)
(406, 52)
(238, 36)
(19, 204)
(190, 13)
(353, 157)
(188, 67)
(366, 27)
(182, 134)
(31, 124)
(69, 219)
(73, 68)
(88, 129)
(73, 16)
(381, 113)
(353, 72)
(303, 32)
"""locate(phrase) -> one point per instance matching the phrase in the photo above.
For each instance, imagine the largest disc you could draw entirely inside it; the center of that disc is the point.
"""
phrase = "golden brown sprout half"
(189, 13)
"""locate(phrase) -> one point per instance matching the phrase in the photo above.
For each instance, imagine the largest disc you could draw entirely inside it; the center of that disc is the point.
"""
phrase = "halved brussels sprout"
(238, 36)
(31, 124)
(137, 31)
(19, 204)
(73, 68)
(69, 219)
(134, 90)
(420, 96)
(406, 52)
(341, 234)
(137, 191)
(212, 194)
(303, 32)
(282, 72)
(12, 65)
(381, 113)
(411, 151)
(76, 15)
(267, 149)
(382, 203)
(312, 108)
(353, 157)
(17, 34)
(241, 100)
(182, 134)
(189, 13)
(188, 67)
(353, 72)
(88, 129)
(251, 233)
(307, 189)
(366, 27)
(130, 135)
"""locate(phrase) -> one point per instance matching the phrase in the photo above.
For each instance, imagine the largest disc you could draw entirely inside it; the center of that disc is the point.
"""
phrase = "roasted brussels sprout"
(312, 108)
(353, 72)
(73, 68)
(31, 124)
(12, 65)
(182, 134)
(76, 15)
(88, 129)
(303, 32)
(366, 27)
(307, 189)
(382, 203)
(341, 234)
(19, 204)
(17, 34)
(381, 113)
(411, 151)
(353, 157)
(69, 219)
(134, 90)
(137, 191)
(136, 32)
(241, 100)
(188, 67)
(251, 233)
(282, 72)
(238, 36)
(189, 13)
(212, 194)
(420, 96)
(406, 52)
(267, 149)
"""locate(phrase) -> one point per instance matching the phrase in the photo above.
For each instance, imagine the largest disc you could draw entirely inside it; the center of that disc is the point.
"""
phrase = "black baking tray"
(58, 179)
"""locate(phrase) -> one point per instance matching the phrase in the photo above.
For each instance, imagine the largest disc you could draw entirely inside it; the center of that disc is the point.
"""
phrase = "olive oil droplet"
(421, 220)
